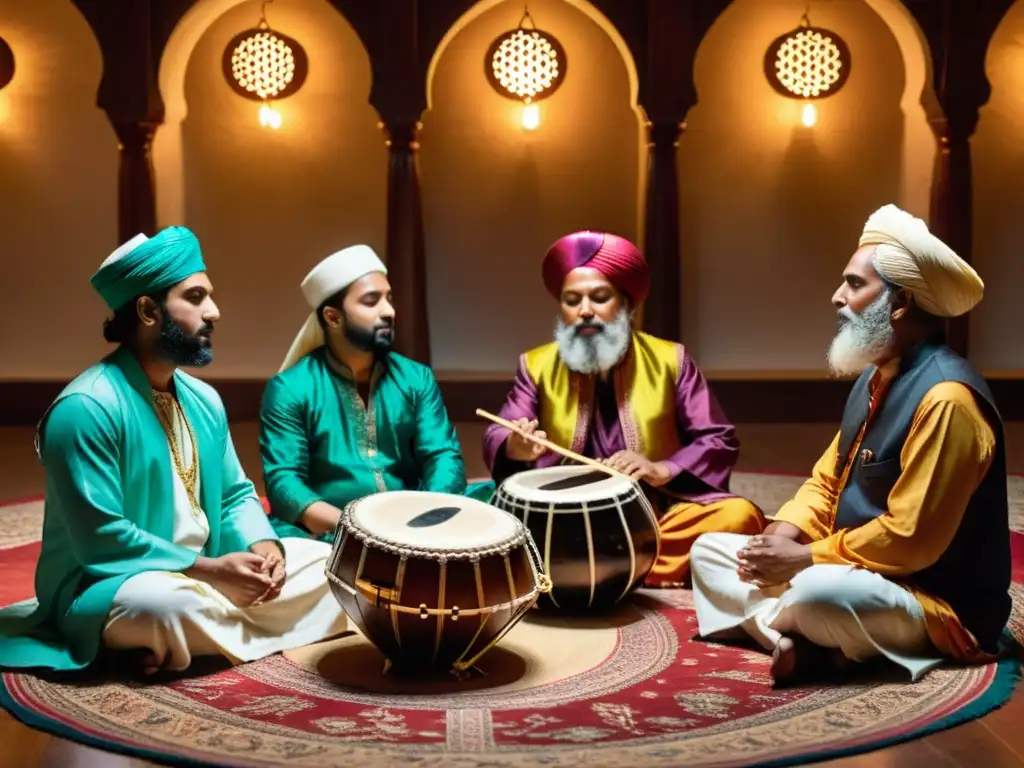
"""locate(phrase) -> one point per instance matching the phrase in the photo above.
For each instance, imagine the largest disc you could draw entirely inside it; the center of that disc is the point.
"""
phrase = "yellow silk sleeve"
(813, 507)
(948, 450)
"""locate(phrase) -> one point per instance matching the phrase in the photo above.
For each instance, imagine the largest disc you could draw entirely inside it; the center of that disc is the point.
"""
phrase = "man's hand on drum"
(639, 468)
(519, 448)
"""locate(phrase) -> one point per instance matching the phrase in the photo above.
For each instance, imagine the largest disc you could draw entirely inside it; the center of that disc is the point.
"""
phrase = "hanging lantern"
(6, 63)
(808, 63)
(264, 65)
(526, 65)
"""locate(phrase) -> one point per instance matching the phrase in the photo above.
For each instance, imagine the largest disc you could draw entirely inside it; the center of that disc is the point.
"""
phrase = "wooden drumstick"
(549, 445)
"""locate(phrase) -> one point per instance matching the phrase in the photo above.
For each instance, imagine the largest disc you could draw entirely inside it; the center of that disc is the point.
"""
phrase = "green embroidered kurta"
(320, 442)
(109, 511)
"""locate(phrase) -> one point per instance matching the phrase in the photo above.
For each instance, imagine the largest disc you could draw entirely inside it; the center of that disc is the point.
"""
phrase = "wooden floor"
(992, 742)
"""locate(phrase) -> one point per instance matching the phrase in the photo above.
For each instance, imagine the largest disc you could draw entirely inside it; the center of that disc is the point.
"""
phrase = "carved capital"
(957, 125)
(136, 177)
(958, 37)
(135, 136)
(665, 135)
(402, 137)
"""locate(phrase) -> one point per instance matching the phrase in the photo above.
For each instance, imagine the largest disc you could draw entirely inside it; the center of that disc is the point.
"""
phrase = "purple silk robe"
(701, 469)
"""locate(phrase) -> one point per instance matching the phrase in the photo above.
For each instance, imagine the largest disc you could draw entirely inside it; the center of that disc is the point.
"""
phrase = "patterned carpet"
(635, 689)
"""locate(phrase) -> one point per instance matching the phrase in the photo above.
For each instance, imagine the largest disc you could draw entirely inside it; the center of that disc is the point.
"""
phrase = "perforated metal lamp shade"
(807, 63)
(6, 63)
(262, 64)
(526, 64)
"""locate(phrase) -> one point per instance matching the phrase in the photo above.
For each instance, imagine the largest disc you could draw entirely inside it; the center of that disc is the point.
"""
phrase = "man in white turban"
(898, 544)
(346, 417)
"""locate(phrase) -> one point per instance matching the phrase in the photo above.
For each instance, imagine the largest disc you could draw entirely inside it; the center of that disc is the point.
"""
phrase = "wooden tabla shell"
(432, 579)
(598, 533)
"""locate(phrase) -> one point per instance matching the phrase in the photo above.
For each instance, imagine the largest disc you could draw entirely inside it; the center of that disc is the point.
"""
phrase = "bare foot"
(784, 659)
(797, 660)
(150, 664)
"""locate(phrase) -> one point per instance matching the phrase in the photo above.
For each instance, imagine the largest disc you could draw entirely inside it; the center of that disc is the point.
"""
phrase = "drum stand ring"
(460, 673)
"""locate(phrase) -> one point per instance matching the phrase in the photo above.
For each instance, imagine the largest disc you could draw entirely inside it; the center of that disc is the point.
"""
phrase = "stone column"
(136, 181)
(407, 269)
(662, 315)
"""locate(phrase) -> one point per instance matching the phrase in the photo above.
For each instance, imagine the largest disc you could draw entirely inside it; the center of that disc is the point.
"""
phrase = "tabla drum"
(598, 533)
(432, 579)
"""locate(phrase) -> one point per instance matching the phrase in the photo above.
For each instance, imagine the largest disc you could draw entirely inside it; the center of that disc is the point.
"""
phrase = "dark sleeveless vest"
(973, 574)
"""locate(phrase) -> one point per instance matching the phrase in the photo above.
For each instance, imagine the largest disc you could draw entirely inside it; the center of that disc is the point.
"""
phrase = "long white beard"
(862, 338)
(596, 353)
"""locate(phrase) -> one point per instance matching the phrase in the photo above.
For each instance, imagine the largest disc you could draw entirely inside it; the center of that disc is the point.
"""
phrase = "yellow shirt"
(948, 450)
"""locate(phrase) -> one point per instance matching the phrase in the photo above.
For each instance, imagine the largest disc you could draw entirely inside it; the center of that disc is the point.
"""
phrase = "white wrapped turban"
(332, 275)
(910, 256)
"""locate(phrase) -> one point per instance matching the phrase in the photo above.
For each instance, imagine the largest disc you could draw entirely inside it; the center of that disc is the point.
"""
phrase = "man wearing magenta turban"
(154, 540)
(610, 392)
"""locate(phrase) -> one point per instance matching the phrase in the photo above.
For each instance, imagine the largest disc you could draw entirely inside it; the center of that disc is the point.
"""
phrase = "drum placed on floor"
(432, 579)
(597, 533)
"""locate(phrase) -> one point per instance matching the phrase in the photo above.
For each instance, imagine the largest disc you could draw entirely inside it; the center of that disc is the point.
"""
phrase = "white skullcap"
(338, 271)
(124, 249)
(331, 276)
(910, 256)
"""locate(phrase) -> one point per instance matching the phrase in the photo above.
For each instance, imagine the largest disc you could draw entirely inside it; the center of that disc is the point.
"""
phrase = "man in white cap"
(154, 540)
(345, 416)
(897, 547)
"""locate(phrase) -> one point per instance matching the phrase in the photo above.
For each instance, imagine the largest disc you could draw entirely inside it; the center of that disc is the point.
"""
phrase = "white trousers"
(834, 606)
(177, 617)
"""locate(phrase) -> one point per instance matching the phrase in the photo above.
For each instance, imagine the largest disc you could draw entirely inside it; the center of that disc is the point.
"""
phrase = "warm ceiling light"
(807, 63)
(527, 65)
(263, 64)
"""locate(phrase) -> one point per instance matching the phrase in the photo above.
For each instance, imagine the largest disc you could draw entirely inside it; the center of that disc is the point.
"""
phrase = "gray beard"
(597, 353)
(862, 338)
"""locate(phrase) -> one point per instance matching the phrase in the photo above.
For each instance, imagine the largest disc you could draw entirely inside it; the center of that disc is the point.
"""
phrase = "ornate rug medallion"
(635, 689)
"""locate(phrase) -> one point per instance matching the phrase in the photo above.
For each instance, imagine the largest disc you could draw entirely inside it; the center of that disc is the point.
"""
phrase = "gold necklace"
(166, 407)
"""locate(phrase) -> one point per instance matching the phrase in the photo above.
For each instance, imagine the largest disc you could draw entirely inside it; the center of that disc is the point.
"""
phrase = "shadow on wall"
(268, 205)
(771, 210)
(496, 196)
(998, 157)
(58, 187)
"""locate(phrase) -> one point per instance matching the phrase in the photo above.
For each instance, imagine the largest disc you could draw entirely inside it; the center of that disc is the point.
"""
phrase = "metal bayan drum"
(432, 579)
(598, 532)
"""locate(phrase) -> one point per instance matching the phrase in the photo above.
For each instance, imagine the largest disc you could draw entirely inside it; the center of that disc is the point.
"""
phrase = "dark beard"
(180, 348)
(370, 339)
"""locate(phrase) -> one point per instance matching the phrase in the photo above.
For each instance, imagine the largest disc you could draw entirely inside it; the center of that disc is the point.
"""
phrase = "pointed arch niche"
(495, 196)
(998, 157)
(268, 205)
(58, 220)
(771, 210)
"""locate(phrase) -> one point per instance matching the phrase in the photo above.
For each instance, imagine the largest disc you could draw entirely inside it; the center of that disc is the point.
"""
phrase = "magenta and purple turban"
(614, 257)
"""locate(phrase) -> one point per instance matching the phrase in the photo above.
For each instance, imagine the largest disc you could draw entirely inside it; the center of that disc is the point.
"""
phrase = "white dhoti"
(862, 614)
(177, 617)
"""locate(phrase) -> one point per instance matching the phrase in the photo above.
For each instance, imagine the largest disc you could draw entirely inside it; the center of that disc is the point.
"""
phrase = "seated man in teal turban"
(346, 417)
(153, 538)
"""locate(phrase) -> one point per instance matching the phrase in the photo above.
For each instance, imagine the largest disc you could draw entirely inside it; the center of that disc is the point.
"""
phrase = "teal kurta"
(320, 442)
(109, 511)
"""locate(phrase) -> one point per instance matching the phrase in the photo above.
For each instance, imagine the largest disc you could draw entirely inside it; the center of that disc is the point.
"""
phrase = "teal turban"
(160, 262)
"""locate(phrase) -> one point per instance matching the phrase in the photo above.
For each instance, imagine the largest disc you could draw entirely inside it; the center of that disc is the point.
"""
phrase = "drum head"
(571, 482)
(438, 521)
